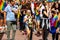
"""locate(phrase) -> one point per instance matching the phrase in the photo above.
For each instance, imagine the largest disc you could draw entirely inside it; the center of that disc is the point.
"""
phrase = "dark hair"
(53, 12)
(58, 12)
(44, 10)
(10, 0)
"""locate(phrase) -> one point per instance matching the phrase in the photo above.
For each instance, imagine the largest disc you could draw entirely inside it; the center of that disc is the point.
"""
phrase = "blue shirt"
(10, 16)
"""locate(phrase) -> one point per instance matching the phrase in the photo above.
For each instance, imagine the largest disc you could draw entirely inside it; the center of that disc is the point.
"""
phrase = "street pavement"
(19, 36)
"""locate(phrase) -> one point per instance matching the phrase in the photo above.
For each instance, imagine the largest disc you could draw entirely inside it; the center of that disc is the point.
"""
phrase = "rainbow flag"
(2, 5)
(51, 0)
(37, 12)
(54, 21)
(54, 24)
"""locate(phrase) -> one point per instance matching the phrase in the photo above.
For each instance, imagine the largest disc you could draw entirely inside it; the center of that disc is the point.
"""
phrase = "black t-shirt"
(44, 16)
(21, 17)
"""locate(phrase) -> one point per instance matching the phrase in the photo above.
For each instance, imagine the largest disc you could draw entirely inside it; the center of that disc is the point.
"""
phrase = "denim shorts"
(37, 18)
(26, 25)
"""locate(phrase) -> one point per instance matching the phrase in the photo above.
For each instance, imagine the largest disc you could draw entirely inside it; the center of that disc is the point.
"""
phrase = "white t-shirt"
(32, 7)
(25, 17)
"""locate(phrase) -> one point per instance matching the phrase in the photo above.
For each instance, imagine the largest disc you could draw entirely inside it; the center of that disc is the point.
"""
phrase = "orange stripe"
(1, 5)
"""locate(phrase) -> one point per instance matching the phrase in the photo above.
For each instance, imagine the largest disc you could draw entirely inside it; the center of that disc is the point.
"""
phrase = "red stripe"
(0, 2)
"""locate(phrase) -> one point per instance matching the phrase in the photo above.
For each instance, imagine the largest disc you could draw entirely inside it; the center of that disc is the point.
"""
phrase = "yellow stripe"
(18, 14)
(1, 6)
(36, 12)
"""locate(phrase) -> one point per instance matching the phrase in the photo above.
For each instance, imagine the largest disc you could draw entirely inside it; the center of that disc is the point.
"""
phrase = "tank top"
(30, 21)
(44, 16)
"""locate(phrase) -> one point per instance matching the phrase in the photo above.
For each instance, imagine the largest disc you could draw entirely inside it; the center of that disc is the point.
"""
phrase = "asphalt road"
(19, 36)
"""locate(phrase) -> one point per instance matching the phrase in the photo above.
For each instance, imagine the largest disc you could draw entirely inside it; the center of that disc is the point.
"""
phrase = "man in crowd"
(10, 12)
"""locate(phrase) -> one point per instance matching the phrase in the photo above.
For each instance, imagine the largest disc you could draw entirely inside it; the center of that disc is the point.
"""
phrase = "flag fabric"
(53, 21)
(54, 24)
(51, 0)
(2, 5)
(37, 12)
(18, 14)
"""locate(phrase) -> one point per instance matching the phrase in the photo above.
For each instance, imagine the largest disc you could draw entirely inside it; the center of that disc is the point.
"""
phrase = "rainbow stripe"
(37, 12)
(2, 5)
(54, 21)
(51, 0)
(54, 24)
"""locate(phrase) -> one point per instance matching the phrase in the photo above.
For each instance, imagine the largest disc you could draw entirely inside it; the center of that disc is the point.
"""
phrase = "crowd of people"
(31, 16)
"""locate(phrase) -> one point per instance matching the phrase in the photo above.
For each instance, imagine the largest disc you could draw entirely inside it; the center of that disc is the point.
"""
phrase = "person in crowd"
(54, 25)
(55, 31)
(32, 7)
(58, 27)
(28, 24)
(1, 18)
(2, 15)
(22, 26)
(10, 12)
(31, 15)
(37, 20)
(23, 8)
(45, 21)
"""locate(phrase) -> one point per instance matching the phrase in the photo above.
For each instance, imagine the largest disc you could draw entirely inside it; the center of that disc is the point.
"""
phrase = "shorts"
(1, 16)
(11, 25)
(37, 18)
(26, 25)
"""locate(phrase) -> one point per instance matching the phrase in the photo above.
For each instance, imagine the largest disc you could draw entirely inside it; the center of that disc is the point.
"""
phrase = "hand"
(57, 30)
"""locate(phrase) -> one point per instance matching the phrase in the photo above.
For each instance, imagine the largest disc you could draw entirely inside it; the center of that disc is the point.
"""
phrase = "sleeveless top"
(44, 16)
(30, 21)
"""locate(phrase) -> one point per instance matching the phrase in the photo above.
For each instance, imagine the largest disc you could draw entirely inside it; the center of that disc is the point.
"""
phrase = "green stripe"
(3, 6)
(51, 0)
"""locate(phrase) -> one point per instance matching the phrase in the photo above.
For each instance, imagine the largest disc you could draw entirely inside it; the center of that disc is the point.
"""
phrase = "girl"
(28, 24)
